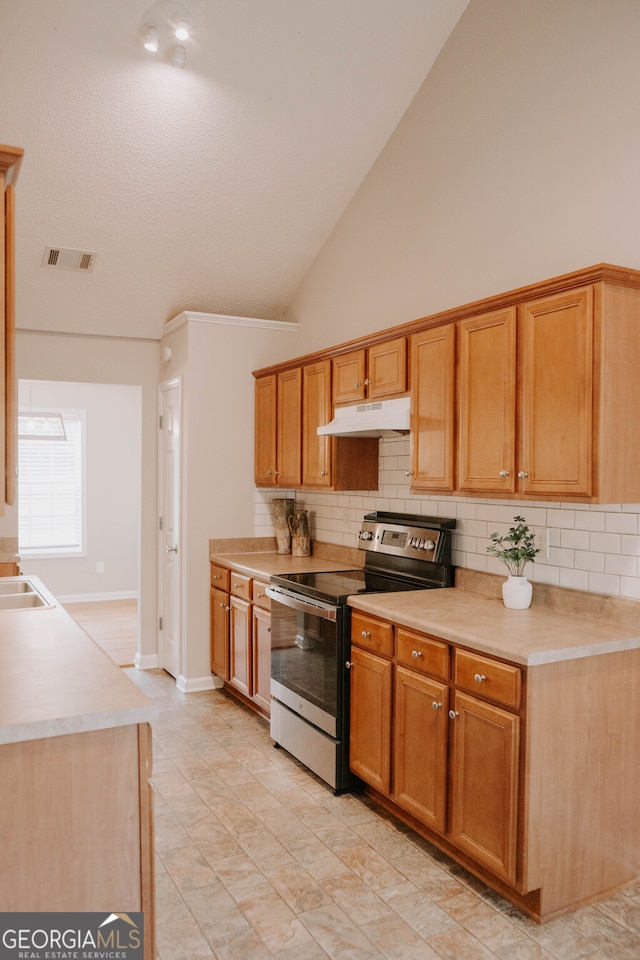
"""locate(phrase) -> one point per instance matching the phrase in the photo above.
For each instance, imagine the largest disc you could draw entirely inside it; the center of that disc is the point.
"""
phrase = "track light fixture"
(164, 23)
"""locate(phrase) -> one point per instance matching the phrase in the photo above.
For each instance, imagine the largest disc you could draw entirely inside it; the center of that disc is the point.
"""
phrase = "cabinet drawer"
(488, 678)
(220, 576)
(372, 634)
(259, 594)
(423, 653)
(240, 585)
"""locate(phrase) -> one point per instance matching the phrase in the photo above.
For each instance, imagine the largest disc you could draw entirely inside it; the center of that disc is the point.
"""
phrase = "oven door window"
(304, 655)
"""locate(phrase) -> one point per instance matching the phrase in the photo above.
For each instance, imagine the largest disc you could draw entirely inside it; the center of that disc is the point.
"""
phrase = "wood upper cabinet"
(9, 162)
(316, 411)
(555, 454)
(278, 429)
(487, 403)
(332, 463)
(372, 373)
(433, 409)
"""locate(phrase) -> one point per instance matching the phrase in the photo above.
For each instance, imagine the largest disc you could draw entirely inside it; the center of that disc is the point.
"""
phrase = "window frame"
(58, 552)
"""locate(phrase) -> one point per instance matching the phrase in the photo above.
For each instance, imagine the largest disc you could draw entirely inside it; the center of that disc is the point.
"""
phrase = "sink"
(16, 586)
(20, 593)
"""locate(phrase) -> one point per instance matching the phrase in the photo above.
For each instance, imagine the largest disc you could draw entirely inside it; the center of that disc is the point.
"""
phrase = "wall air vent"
(62, 258)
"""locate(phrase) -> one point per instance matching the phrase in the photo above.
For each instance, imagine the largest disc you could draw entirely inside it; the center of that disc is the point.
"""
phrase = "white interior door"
(169, 563)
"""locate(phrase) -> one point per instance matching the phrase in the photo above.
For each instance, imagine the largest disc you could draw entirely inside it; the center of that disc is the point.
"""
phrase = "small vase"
(516, 593)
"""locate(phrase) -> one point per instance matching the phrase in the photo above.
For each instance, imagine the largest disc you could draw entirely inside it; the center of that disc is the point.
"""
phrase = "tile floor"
(256, 858)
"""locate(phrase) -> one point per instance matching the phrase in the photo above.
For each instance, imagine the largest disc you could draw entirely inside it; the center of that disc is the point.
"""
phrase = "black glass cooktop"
(336, 586)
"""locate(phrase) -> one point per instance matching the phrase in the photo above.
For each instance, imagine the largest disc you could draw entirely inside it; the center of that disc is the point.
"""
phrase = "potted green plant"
(515, 549)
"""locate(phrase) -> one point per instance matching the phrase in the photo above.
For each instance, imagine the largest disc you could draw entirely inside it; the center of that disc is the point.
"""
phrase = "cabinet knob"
(365, 634)
(479, 677)
(453, 714)
(221, 604)
(436, 705)
(415, 654)
(522, 474)
(237, 586)
(356, 383)
(217, 576)
(348, 664)
(504, 473)
(408, 473)
(268, 629)
(323, 473)
(368, 382)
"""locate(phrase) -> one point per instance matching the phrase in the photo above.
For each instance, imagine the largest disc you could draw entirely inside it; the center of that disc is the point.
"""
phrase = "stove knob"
(429, 545)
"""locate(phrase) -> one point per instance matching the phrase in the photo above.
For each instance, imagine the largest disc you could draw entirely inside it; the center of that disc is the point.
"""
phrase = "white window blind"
(51, 491)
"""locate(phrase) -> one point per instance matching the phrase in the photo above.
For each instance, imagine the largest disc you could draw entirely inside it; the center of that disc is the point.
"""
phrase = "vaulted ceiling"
(207, 188)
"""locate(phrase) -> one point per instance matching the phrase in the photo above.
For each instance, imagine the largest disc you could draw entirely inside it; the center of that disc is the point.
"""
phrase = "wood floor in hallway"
(111, 623)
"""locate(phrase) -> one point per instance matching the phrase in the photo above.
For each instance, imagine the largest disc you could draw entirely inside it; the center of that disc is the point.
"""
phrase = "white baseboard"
(88, 597)
(146, 661)
(198, 684)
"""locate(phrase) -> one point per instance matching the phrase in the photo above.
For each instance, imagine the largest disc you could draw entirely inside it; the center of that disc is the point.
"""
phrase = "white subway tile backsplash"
(591, 548)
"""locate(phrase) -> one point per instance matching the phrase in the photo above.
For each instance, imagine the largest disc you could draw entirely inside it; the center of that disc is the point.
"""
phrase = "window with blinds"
(51, 489)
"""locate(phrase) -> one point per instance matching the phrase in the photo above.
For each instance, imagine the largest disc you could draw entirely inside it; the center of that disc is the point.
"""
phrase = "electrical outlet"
(100, 566)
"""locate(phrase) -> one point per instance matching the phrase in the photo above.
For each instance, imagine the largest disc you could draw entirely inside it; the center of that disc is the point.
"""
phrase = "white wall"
(215, 360)
(518, 160)
(113, 450)
(107, 360)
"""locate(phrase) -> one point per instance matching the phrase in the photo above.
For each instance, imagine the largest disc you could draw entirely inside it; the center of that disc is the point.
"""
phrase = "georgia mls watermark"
(71, 936)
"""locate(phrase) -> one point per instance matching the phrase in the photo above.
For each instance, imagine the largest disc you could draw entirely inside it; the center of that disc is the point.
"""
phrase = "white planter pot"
(516, 593)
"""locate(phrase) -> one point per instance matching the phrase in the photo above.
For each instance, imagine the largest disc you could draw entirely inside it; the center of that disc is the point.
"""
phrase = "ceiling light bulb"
(151, 38)
(178, 56)
(181, 29)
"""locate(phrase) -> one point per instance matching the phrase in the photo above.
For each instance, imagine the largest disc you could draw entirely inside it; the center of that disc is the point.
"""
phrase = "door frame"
(163, 387)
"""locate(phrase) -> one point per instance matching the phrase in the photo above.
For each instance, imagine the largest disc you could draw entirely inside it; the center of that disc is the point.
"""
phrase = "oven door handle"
(315, 608)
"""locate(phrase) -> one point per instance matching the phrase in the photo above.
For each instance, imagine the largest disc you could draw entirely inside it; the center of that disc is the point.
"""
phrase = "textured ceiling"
(211, 188)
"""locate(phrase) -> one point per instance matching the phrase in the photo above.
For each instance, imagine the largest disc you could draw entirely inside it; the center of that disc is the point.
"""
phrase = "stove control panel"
(399, 539)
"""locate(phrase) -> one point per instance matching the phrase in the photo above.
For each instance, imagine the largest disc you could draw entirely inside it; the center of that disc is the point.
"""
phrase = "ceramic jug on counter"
(300, 539)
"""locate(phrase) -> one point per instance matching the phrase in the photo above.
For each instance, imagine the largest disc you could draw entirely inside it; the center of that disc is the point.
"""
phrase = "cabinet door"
(420, 747)
(487, 392)
(265, 431)
(261, 667)
(316, 411)
(557, 395)
(484, 784)
(348, 372)
(387, 368)
(220, 633)
(432, 408)
(370, 728)
(240, 645)
(289, 428)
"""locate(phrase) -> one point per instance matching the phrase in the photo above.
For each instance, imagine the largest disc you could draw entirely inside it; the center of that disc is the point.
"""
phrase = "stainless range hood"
(384, 418)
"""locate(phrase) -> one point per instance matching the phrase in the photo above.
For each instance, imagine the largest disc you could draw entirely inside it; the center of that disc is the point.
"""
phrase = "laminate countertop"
(482, 623)
(55, 680)
(264, 565)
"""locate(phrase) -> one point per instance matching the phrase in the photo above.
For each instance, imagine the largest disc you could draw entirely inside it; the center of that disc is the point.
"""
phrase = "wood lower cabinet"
(420, 747)
(82, 802)
(484, 783)
(241, 635)
(448, 758)
(370, 728)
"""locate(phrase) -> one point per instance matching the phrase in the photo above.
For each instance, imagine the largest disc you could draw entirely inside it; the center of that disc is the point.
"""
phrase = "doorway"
(106, 566)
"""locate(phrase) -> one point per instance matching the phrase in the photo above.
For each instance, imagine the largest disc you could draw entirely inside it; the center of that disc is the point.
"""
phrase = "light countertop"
(529, 637)
(55, 680)
(264, 565)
